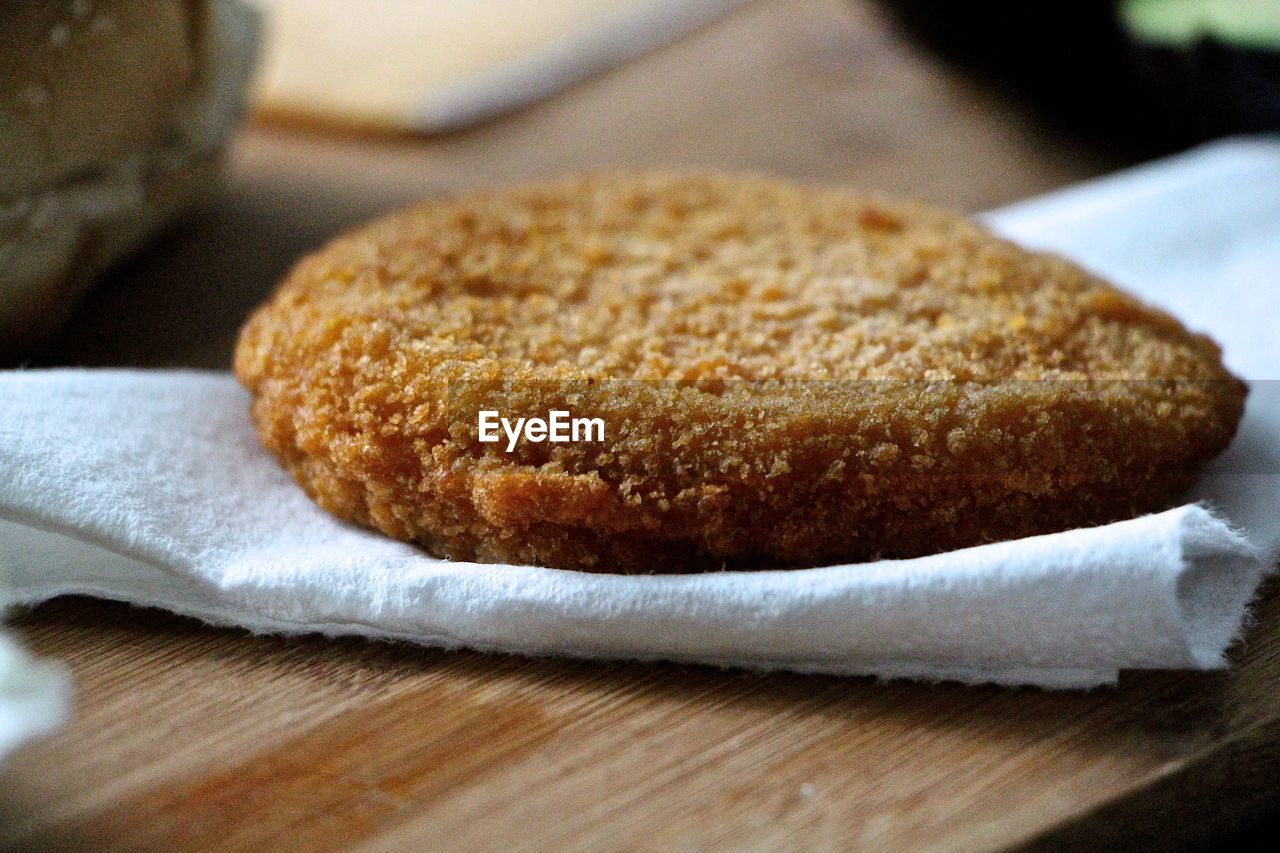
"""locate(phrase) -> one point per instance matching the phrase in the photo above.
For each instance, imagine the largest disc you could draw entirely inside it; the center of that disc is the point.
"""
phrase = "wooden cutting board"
(189, 737)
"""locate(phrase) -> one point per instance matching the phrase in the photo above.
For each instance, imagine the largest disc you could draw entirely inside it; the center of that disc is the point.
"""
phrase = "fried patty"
(787, 376)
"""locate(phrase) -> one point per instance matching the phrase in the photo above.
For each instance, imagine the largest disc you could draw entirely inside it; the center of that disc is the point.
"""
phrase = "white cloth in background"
(151, 487)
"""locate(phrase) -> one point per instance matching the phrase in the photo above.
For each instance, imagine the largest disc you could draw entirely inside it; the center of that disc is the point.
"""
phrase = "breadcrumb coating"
(788, 376)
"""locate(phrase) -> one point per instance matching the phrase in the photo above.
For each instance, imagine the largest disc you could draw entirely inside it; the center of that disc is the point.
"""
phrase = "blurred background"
(354, 109)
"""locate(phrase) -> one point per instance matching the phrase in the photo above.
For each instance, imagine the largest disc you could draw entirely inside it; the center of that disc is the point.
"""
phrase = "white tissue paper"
(151, 487)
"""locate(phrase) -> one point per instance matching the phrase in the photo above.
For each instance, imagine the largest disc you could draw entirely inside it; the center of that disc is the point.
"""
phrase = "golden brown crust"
(788, 376)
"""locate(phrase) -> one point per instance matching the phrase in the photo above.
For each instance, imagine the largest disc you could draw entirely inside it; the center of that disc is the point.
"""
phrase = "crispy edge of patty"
(806, 477)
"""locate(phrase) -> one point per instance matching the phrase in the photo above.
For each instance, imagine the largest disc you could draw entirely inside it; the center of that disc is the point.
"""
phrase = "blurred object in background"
(34, 697)
(409, 65)
(1158, 73)
(1215, 63)
(113, 117)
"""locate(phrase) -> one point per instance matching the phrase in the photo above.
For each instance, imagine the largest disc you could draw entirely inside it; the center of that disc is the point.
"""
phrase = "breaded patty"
(786, 375)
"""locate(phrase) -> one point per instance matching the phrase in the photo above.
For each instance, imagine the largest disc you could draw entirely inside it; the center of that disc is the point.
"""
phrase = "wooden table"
(187, 736)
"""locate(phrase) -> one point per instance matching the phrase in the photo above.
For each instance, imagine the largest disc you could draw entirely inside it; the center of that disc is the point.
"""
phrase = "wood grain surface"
(191, 737)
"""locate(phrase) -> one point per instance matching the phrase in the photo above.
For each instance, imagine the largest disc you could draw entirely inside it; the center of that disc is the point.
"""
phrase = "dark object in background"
(1083, 66)
(1068, 56)
(1216, 63)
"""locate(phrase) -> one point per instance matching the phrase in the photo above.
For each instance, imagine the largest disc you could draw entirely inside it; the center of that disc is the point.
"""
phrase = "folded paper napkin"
(410, 65)
(151, 487)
